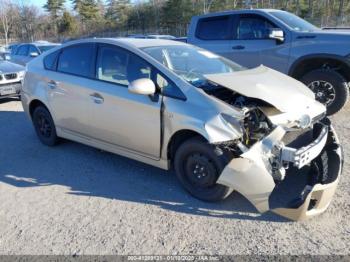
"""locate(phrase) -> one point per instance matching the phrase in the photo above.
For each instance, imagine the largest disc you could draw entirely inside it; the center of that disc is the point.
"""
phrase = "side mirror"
(277, 34)
(142, 86)
(33, 54)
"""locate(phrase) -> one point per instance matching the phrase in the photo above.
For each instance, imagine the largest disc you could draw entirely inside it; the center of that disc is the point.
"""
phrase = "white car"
(11, 76)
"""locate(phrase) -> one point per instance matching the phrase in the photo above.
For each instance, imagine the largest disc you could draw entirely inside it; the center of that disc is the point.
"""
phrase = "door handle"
(97, 98)
(238, 47)
(52, 84)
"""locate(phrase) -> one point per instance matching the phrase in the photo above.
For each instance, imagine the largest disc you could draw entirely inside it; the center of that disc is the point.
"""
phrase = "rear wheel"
(198, 166)
(44, 126)
(330, 88)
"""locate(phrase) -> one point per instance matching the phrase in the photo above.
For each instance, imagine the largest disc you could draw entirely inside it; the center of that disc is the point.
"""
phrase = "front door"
(252, 46)
(116, 116)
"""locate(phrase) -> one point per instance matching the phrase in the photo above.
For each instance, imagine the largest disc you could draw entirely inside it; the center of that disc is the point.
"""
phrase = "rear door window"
(77, 60)
(214, 28)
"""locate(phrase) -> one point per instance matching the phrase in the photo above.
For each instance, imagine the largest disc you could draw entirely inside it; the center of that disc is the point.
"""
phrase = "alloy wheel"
(324, 91)
(44, 126)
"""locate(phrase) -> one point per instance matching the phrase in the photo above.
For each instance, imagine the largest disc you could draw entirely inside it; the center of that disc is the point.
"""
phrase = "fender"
(295, 66)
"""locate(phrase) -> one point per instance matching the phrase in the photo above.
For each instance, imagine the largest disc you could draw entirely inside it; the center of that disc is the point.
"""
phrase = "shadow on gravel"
(6, 100)
(85, 171)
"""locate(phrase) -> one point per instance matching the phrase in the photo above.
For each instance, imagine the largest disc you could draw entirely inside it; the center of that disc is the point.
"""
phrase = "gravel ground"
(73, 199)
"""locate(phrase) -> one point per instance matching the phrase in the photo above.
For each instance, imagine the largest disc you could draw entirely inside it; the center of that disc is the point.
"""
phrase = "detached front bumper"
(251, 175)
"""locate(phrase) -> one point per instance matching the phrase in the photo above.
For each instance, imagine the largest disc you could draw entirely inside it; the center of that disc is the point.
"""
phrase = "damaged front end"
(288, 158)
(260, 173)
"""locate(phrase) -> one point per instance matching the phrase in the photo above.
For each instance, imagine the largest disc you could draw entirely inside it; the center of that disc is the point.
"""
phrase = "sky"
(41, 3)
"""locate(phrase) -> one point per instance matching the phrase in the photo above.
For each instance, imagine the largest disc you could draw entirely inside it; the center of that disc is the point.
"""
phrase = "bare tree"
(248, 3)
(28, 15)
(6, 17)
(207, 5)
(340, 12)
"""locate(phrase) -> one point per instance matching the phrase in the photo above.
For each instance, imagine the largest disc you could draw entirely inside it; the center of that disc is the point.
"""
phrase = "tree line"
(26, 22)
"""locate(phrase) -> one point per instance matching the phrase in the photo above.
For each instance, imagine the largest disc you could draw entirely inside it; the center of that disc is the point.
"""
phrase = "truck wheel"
(44, 126)
(198, 166)
(330, 88)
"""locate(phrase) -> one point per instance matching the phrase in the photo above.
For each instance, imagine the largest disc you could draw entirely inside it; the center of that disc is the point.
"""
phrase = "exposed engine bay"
(255, 124)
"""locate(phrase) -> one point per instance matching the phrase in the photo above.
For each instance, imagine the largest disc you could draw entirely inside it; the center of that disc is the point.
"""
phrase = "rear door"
(70, 86)
(116, 116)
(215, 34)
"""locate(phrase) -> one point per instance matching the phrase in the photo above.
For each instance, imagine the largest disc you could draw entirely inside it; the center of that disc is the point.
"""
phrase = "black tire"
(44, 126)
(339, 93)
(194, 158)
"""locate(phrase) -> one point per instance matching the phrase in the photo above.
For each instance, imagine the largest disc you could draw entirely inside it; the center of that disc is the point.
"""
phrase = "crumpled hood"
(8, 67)
(281, 91)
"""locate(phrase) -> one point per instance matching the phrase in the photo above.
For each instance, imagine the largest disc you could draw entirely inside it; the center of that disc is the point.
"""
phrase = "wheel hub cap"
(200, 170)
(324, 91)
(44, 126)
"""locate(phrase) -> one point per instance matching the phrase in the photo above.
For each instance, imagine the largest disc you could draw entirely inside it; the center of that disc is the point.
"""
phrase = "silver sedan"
(170, 104)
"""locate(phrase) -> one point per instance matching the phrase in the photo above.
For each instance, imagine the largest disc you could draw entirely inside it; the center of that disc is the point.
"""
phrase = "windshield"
(192, 63)
(44, 48)
(294, 21)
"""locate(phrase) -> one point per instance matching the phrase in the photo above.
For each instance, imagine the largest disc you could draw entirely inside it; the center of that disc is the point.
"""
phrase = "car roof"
(133, 42)
(141, 43)
(242, 11)
(155, 35)
(39, 44)
(43, 44)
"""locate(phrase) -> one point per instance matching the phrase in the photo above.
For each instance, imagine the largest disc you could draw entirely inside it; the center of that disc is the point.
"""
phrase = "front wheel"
(330, 88)
(198, 166)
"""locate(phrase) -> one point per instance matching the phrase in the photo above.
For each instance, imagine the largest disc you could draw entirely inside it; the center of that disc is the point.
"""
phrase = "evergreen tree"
(117, 11)
(68, 24)
(87, 9)
(54, 7)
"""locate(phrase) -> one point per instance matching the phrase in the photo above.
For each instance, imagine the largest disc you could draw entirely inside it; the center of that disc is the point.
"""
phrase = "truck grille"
(10, 76)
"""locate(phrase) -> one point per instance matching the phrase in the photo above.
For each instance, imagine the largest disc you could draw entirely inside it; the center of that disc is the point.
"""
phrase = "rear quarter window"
(214, 28)
(50, 61)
